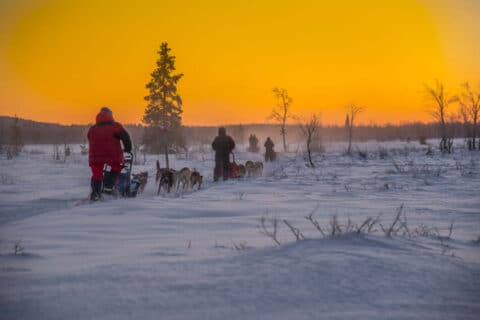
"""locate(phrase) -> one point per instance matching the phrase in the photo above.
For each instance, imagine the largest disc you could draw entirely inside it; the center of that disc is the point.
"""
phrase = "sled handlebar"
(129, 155)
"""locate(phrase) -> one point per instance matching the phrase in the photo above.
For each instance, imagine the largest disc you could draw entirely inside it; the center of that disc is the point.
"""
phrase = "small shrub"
(399, 227)
(425, 231)
(382, 153)
(477, 241)
(296, 232)
(467, 170)
(362, 154)
(429, 151)
(240, 246)
(83, 149)
(271, 231)
(417, 170)
(18, 249)
(240, 196)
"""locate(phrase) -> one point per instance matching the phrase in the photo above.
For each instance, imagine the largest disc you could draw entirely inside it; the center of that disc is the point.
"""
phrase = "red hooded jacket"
(104, 141)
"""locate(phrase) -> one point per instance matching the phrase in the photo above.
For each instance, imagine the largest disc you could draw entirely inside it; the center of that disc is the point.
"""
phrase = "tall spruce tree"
(163, 112)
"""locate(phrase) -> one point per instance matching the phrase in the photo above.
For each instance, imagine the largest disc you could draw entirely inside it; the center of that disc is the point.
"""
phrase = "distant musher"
(223, 146)
(269, 153)
(105, 149)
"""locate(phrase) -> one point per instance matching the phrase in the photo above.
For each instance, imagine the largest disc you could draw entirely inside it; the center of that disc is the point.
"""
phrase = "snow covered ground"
(200, 255)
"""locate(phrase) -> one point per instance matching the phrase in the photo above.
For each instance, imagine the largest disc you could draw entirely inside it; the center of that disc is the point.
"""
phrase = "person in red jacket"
(105, 149)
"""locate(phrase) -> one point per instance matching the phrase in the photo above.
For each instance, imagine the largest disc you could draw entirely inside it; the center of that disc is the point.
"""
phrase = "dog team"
(107, 136)
(184, 179)
(250, 169)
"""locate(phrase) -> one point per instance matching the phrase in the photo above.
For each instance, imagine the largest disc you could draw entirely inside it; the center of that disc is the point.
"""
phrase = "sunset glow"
(60, 61)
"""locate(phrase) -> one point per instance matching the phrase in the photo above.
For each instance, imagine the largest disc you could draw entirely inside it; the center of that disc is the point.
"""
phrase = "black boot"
(109, 179)
(96, 190)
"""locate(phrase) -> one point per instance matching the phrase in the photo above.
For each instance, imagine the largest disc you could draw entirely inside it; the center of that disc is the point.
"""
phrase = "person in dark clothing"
(253, 143)
(105, 149)
(269, 153)
(223, 146)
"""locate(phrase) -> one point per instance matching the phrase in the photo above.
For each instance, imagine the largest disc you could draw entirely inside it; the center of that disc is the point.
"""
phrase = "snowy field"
(201, 255)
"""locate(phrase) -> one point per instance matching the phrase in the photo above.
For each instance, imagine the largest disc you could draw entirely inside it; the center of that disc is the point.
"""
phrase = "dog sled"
(233, 168)
(125, 186)
(249, 169)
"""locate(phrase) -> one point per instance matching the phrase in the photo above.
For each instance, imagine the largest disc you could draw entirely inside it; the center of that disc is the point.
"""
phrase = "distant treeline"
(49, 133)
(34, 132)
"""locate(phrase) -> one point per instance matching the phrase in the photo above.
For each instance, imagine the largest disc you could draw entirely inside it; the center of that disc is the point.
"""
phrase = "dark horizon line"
(415, 122)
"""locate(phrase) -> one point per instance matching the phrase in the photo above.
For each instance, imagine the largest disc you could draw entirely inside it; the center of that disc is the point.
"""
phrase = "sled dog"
(183, 179)
(167, 178)
(254, 169)
(196, 179)
(249, 168)
(142, 178)
(242, 171)
(258, 168)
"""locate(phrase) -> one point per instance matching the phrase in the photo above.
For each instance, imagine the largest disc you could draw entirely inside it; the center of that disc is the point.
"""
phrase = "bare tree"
(464, 116)
(352, 112)
(469, 109)
(439, 111)
(67, 152)
(56, 151)
(309, 129)
(281, 113)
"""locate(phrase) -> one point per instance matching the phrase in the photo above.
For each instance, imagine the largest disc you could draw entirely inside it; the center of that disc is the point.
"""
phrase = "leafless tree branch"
(265, 230)
(296, 232)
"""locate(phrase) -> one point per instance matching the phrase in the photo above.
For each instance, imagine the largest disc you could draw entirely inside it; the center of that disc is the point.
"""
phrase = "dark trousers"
(221, 169)
(269, 155)
(109, 180)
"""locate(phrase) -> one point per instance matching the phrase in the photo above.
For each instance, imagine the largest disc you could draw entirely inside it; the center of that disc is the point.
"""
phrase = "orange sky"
(61, 60)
